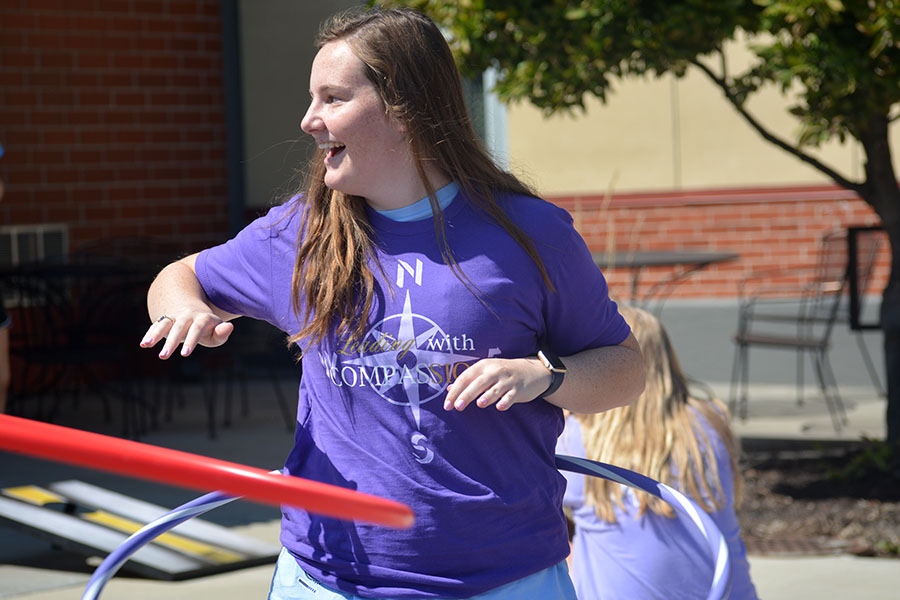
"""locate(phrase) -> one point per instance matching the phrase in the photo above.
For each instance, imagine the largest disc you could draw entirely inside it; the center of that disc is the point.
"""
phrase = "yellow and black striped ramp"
(94, 521)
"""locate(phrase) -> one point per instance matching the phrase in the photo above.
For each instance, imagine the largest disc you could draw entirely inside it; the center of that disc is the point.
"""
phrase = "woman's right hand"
(181, 312)
(188, 328)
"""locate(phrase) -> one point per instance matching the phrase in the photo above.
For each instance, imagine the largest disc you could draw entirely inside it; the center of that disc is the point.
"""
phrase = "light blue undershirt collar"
(421, 209)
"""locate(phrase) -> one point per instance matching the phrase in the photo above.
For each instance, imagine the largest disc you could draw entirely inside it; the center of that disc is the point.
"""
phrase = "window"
(20, 244)
(23, 244)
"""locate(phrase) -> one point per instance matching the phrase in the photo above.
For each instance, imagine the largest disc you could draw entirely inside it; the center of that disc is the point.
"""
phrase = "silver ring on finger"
(163, 318)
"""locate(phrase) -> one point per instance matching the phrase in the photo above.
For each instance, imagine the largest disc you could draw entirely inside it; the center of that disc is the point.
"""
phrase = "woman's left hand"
(498, 381)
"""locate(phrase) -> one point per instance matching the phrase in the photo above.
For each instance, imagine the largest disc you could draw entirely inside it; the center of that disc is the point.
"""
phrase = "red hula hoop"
(165, 465)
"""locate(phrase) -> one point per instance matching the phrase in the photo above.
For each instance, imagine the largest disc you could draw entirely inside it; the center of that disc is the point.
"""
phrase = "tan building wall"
(665, 134)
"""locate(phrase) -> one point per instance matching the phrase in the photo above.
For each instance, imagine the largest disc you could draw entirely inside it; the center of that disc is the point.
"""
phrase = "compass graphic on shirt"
(408, 359)
(410, 346)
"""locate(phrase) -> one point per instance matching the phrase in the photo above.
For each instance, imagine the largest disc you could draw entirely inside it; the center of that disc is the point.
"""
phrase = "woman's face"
(366, 152)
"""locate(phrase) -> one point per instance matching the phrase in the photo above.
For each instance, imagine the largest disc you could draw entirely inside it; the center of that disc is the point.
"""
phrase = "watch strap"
(557, 370)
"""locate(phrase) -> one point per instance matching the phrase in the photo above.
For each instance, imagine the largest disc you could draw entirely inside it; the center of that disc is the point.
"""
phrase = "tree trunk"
(883, 194)
(890, 323)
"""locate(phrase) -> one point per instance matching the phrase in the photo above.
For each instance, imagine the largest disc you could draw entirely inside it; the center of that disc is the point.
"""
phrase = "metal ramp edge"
(93, 521)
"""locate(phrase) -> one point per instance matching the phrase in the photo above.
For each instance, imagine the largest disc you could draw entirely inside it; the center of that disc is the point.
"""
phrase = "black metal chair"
(255, 351)
(793, 310)
(141, 257)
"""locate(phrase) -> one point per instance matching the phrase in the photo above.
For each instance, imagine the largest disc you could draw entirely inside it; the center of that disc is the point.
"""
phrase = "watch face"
(552, 362)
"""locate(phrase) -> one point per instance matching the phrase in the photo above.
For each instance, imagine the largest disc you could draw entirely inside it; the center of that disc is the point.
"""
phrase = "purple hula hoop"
(719, 587)
(721, 582)
(146, 534)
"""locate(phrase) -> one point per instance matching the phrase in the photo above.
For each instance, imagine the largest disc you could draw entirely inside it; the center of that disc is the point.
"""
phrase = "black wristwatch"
(556, 368)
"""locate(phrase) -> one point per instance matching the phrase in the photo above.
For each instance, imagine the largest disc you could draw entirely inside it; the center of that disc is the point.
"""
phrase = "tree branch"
(724, 62)
(772, 138)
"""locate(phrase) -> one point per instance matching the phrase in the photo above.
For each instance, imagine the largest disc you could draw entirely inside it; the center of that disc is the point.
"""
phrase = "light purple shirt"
(652, 557)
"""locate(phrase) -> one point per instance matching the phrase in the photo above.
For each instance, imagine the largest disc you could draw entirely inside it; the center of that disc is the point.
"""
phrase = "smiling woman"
(367, 151)
(421, 282)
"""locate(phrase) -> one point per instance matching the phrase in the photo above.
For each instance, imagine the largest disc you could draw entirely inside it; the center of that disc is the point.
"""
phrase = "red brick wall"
(771, 228)
(112, 118)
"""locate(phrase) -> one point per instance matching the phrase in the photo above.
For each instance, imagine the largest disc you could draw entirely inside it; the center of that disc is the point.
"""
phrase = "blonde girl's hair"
(411, 66)
(659, 435)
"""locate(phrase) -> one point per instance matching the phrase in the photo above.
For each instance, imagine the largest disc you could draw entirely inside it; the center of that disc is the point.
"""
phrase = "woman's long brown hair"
(410, 64)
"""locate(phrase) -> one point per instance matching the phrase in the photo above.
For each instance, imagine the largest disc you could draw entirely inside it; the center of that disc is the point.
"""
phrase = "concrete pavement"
(781, 578)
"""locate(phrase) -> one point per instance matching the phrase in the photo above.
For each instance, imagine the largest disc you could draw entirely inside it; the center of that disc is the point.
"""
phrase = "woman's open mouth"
(332, 149)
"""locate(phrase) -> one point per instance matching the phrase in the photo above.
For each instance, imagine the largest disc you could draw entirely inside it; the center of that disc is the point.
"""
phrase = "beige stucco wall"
(658, 134)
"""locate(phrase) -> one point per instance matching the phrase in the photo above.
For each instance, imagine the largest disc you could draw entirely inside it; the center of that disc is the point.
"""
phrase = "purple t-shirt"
(652, 557)
(482, 483)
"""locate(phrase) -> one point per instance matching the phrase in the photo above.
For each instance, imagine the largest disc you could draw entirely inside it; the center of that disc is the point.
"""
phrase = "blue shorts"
(290, 582)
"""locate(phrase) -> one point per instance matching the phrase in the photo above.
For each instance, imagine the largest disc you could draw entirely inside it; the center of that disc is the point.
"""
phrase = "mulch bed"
(808, 503)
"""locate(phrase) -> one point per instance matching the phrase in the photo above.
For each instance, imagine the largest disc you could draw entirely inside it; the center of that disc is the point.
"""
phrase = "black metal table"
(74, 325)
(684, 262)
